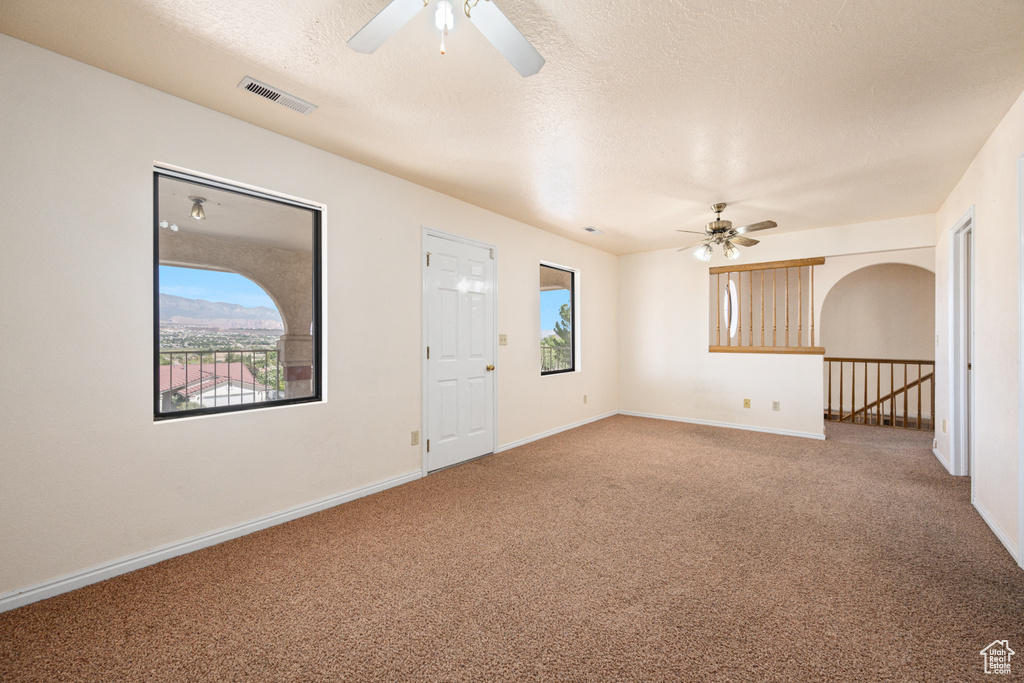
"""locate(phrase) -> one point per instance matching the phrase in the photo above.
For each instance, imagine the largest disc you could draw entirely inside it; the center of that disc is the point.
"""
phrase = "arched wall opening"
(878, 330)
(881, 311)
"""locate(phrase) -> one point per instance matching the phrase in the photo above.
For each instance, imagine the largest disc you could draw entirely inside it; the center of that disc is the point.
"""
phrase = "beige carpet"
(626, 550)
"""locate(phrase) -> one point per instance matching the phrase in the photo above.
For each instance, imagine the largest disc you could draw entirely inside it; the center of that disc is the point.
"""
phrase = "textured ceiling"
(811, 113)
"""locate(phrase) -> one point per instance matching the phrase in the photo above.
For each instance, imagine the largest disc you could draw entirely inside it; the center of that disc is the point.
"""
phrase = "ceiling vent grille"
(274, 95)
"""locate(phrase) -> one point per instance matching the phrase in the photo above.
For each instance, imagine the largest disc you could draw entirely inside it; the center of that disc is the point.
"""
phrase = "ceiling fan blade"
(743, 241)
(387, 22)
(694, 232)
(763, 225)
(512, 45)
(696, 244)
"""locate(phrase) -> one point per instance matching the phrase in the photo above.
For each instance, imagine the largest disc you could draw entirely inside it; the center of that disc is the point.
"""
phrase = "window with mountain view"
(557, 341)
(237, 298)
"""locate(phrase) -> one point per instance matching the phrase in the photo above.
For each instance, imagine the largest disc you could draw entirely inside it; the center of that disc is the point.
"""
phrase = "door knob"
(490, 368)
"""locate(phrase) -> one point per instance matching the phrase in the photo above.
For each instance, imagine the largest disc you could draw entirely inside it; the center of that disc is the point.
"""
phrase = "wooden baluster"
(842, 387)
(919, 395)
(718, 307)
(799, 307)
(762, 307)
(878, 394)
(775, 309)
(892, 398)
(905, 395)
(739, 309)
(787, 306)
(865, 392)
(751, 308)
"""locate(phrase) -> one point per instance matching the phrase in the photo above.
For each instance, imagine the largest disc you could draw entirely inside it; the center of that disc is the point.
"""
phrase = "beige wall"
(665, 367)
(881, 311)
(990, 188)
(88, 479)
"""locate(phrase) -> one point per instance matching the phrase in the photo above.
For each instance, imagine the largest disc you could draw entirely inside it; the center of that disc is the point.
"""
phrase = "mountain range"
(183, 311)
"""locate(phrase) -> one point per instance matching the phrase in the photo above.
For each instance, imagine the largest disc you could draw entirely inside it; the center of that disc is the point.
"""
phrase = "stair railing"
(881, 392)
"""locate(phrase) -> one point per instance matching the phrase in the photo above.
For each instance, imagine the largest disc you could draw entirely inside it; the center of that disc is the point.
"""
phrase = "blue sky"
(550, 302)
(213, 285)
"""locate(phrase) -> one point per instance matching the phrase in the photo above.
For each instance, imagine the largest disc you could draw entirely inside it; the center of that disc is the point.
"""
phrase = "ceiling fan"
(495, 26)
(723, 234)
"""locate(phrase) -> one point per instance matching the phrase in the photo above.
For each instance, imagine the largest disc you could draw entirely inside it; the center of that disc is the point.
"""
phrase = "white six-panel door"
(459, 324)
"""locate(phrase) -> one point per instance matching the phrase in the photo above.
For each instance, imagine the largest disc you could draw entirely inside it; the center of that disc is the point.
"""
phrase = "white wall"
(665, 367)
(86, 480)
(990, 187)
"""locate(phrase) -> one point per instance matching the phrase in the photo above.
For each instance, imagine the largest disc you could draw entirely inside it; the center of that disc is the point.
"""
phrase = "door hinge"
(428, 445)
(492, 254)
(428, 353)
(428, 259)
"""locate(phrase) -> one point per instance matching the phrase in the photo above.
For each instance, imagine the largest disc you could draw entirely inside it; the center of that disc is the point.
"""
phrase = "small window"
(236, 298)
(557, 320)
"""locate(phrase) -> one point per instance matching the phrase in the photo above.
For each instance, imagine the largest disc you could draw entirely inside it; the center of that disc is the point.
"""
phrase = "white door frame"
(960, 449)
(1020, 364)
(425, 232)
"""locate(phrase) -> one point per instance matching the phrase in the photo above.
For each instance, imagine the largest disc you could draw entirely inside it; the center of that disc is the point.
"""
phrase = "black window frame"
(317, 371)
(572, 330)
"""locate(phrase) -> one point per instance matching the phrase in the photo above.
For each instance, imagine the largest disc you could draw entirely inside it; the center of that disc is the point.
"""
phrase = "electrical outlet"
(502, 340)
(416, 438)
(746, 403)
(775, 406)
(935, 443)
(584, 398)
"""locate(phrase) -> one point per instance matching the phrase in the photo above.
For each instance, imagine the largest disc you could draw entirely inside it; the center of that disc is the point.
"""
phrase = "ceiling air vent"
(274, 95)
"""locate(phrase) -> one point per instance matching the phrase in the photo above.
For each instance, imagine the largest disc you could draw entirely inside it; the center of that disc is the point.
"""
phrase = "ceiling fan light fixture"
(197, 208)
(703, 253)
(730, 251)
(444, 19)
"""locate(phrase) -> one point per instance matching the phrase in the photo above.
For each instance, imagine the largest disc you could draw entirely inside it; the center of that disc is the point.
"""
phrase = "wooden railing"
(764, 307)
(554, 358)
(881, 392)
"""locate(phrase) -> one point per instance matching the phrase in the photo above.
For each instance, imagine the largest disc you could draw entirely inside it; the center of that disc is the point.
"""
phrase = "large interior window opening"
(557, 320)
(236, 298)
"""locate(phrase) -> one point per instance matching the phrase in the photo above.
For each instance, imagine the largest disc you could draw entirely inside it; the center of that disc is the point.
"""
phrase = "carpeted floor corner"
(629, 549)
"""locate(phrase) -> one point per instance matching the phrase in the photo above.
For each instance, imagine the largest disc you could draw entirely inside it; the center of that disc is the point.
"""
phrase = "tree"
(563, 329)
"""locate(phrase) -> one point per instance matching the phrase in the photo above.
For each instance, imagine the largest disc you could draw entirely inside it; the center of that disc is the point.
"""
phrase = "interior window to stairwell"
(237, 313)
(763, 308)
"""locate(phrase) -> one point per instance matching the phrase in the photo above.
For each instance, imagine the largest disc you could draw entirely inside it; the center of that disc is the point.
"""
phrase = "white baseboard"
(937, 454)
(1003, 538)
(728, 425)
(70, 582)
(552, 432)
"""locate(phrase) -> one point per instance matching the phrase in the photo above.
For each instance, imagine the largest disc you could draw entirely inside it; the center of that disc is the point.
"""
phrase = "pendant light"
(197, 208)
